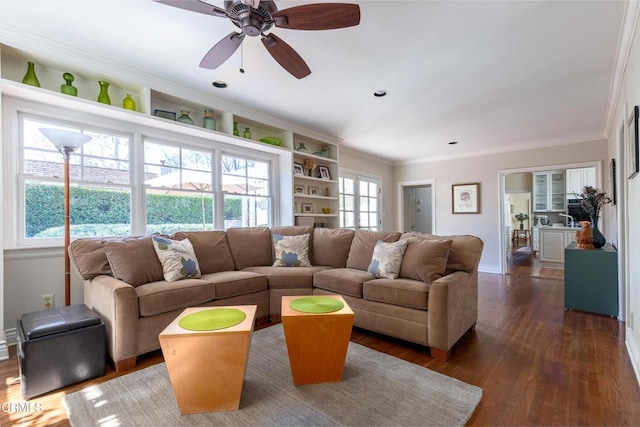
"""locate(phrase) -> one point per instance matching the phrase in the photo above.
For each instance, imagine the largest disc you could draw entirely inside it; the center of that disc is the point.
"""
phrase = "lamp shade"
(65, 138)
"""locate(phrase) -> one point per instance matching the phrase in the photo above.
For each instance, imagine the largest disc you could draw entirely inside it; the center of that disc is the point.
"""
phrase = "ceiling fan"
(254, 17)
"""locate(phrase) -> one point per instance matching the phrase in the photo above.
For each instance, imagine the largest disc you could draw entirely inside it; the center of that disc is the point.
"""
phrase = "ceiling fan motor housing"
(252, 21)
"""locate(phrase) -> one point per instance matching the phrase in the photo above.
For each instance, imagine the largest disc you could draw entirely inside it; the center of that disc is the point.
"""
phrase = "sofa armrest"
(453, 308)
(116, 302)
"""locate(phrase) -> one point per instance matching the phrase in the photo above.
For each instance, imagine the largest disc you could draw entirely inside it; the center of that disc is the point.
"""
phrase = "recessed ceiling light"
(380, 93)
(219, 85)
(453, 142)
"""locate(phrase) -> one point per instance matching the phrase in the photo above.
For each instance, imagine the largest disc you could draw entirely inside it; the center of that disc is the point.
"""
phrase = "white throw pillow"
(291, 251)
(387, 259)
(177, 257)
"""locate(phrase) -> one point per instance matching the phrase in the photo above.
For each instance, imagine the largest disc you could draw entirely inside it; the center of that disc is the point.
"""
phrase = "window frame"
(357, 177)
(137, 130)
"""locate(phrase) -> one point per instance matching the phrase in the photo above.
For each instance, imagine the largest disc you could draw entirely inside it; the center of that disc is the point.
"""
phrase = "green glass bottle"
(209, 121)
(236, 132)
(68, 87)
(103, 96)
(184, 118)
(247, 133)
(129, 103)
(30, 78)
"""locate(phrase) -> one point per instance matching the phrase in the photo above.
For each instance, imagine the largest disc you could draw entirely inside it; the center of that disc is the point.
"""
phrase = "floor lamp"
(66, 142)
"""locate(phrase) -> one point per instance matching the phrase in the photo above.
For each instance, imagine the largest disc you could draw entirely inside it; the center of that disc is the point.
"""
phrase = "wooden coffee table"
(207, 368)
(317, 342)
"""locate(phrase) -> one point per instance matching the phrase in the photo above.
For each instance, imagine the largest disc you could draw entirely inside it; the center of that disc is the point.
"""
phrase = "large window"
(246, 190)
(100, 190)
(359, 202)
(129, 179)
(179, 188)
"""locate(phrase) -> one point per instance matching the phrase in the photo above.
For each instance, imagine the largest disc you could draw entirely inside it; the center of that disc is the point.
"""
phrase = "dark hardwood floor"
(536, 363)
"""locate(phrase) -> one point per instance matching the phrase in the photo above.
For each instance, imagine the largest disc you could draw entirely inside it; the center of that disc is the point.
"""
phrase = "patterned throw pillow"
(177, 258)
(387, 259)
(291, 251)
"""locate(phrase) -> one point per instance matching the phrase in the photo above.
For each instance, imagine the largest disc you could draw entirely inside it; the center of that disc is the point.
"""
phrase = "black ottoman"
(58, 347)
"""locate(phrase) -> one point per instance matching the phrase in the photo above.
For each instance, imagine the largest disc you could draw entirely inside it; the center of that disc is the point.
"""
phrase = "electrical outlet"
(47, 301)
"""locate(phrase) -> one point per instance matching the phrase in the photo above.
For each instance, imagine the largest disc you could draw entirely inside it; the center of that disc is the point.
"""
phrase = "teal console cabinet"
(591, 279)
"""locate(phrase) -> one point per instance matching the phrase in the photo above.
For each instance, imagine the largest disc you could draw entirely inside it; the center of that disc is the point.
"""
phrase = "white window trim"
(356, 175)
(12, 154)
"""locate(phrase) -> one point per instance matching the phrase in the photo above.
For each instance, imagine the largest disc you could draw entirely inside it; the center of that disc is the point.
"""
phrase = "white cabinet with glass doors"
(549, 191)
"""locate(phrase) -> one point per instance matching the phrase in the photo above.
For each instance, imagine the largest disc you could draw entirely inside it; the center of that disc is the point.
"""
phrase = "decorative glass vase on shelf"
(302, 148)
(184, 118)
(67, 88)
(236, 132)
(209, 122)
(247, 133)
(128, 103)
(598, 238)
(30, 77)
(103, 96)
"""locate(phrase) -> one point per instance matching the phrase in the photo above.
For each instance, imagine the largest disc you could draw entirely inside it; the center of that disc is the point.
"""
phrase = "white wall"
(630, 194)
(484, 169)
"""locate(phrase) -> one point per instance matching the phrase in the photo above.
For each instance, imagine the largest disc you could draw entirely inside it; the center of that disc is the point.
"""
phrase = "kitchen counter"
(553, 240)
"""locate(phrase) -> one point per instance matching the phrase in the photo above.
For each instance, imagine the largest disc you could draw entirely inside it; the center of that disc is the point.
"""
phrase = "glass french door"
(360, 202)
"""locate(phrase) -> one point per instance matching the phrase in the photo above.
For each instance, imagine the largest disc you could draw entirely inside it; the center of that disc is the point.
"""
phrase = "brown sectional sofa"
(433, 302)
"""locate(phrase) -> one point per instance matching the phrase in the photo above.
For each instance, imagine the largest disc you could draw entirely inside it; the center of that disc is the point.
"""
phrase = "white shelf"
(317, 215)
(310, 196)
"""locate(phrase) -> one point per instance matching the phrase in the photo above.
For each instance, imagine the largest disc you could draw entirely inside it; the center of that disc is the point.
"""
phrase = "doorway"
(417, 207)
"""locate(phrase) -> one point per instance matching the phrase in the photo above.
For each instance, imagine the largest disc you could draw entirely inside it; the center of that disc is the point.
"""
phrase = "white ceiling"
(495, 76)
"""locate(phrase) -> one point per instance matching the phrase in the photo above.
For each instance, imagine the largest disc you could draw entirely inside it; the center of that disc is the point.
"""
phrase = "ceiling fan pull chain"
(242, 59)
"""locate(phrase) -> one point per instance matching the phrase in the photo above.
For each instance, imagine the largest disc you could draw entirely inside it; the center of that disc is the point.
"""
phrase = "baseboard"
(10, 336)
(494, 269)
(4, 350)
(633, 350)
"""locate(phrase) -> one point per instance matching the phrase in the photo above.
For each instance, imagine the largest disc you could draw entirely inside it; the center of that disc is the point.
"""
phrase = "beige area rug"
(377, 389)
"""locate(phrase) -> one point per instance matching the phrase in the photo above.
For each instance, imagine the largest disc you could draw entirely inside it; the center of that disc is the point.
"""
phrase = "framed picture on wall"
(465, 198)
(632, 143)
(614, 190)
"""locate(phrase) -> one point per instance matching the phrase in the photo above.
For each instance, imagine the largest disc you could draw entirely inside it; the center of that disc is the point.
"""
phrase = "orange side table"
(207, 368)
(317, 343)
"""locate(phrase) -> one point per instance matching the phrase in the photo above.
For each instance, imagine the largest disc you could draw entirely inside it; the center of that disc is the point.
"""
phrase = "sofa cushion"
(291, 251)
(403, 292)
(331, 246)
(424, 260)
(387, 259)
(464, 254)
(346, 281)
(89, 258)
(177, 258)
(295, 230)
(250, 246)
(362, 246)
(162, 296)
(288, 278)
(211, 249)
(133, 260)
(233, 283)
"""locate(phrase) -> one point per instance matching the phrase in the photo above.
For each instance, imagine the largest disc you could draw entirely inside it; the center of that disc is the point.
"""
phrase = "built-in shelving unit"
(315, 189)
(150, 101)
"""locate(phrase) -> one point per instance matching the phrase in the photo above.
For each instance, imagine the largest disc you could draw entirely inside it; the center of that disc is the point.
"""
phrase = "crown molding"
(625, 42)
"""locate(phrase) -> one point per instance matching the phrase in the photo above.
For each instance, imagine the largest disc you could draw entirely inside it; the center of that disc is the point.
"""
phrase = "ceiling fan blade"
(195, 6)
(286, 56)
(222, 51)
(319, 16)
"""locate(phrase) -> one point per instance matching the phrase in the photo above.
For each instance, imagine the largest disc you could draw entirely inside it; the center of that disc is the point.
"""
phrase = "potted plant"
(591, 201)
(522, 217)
